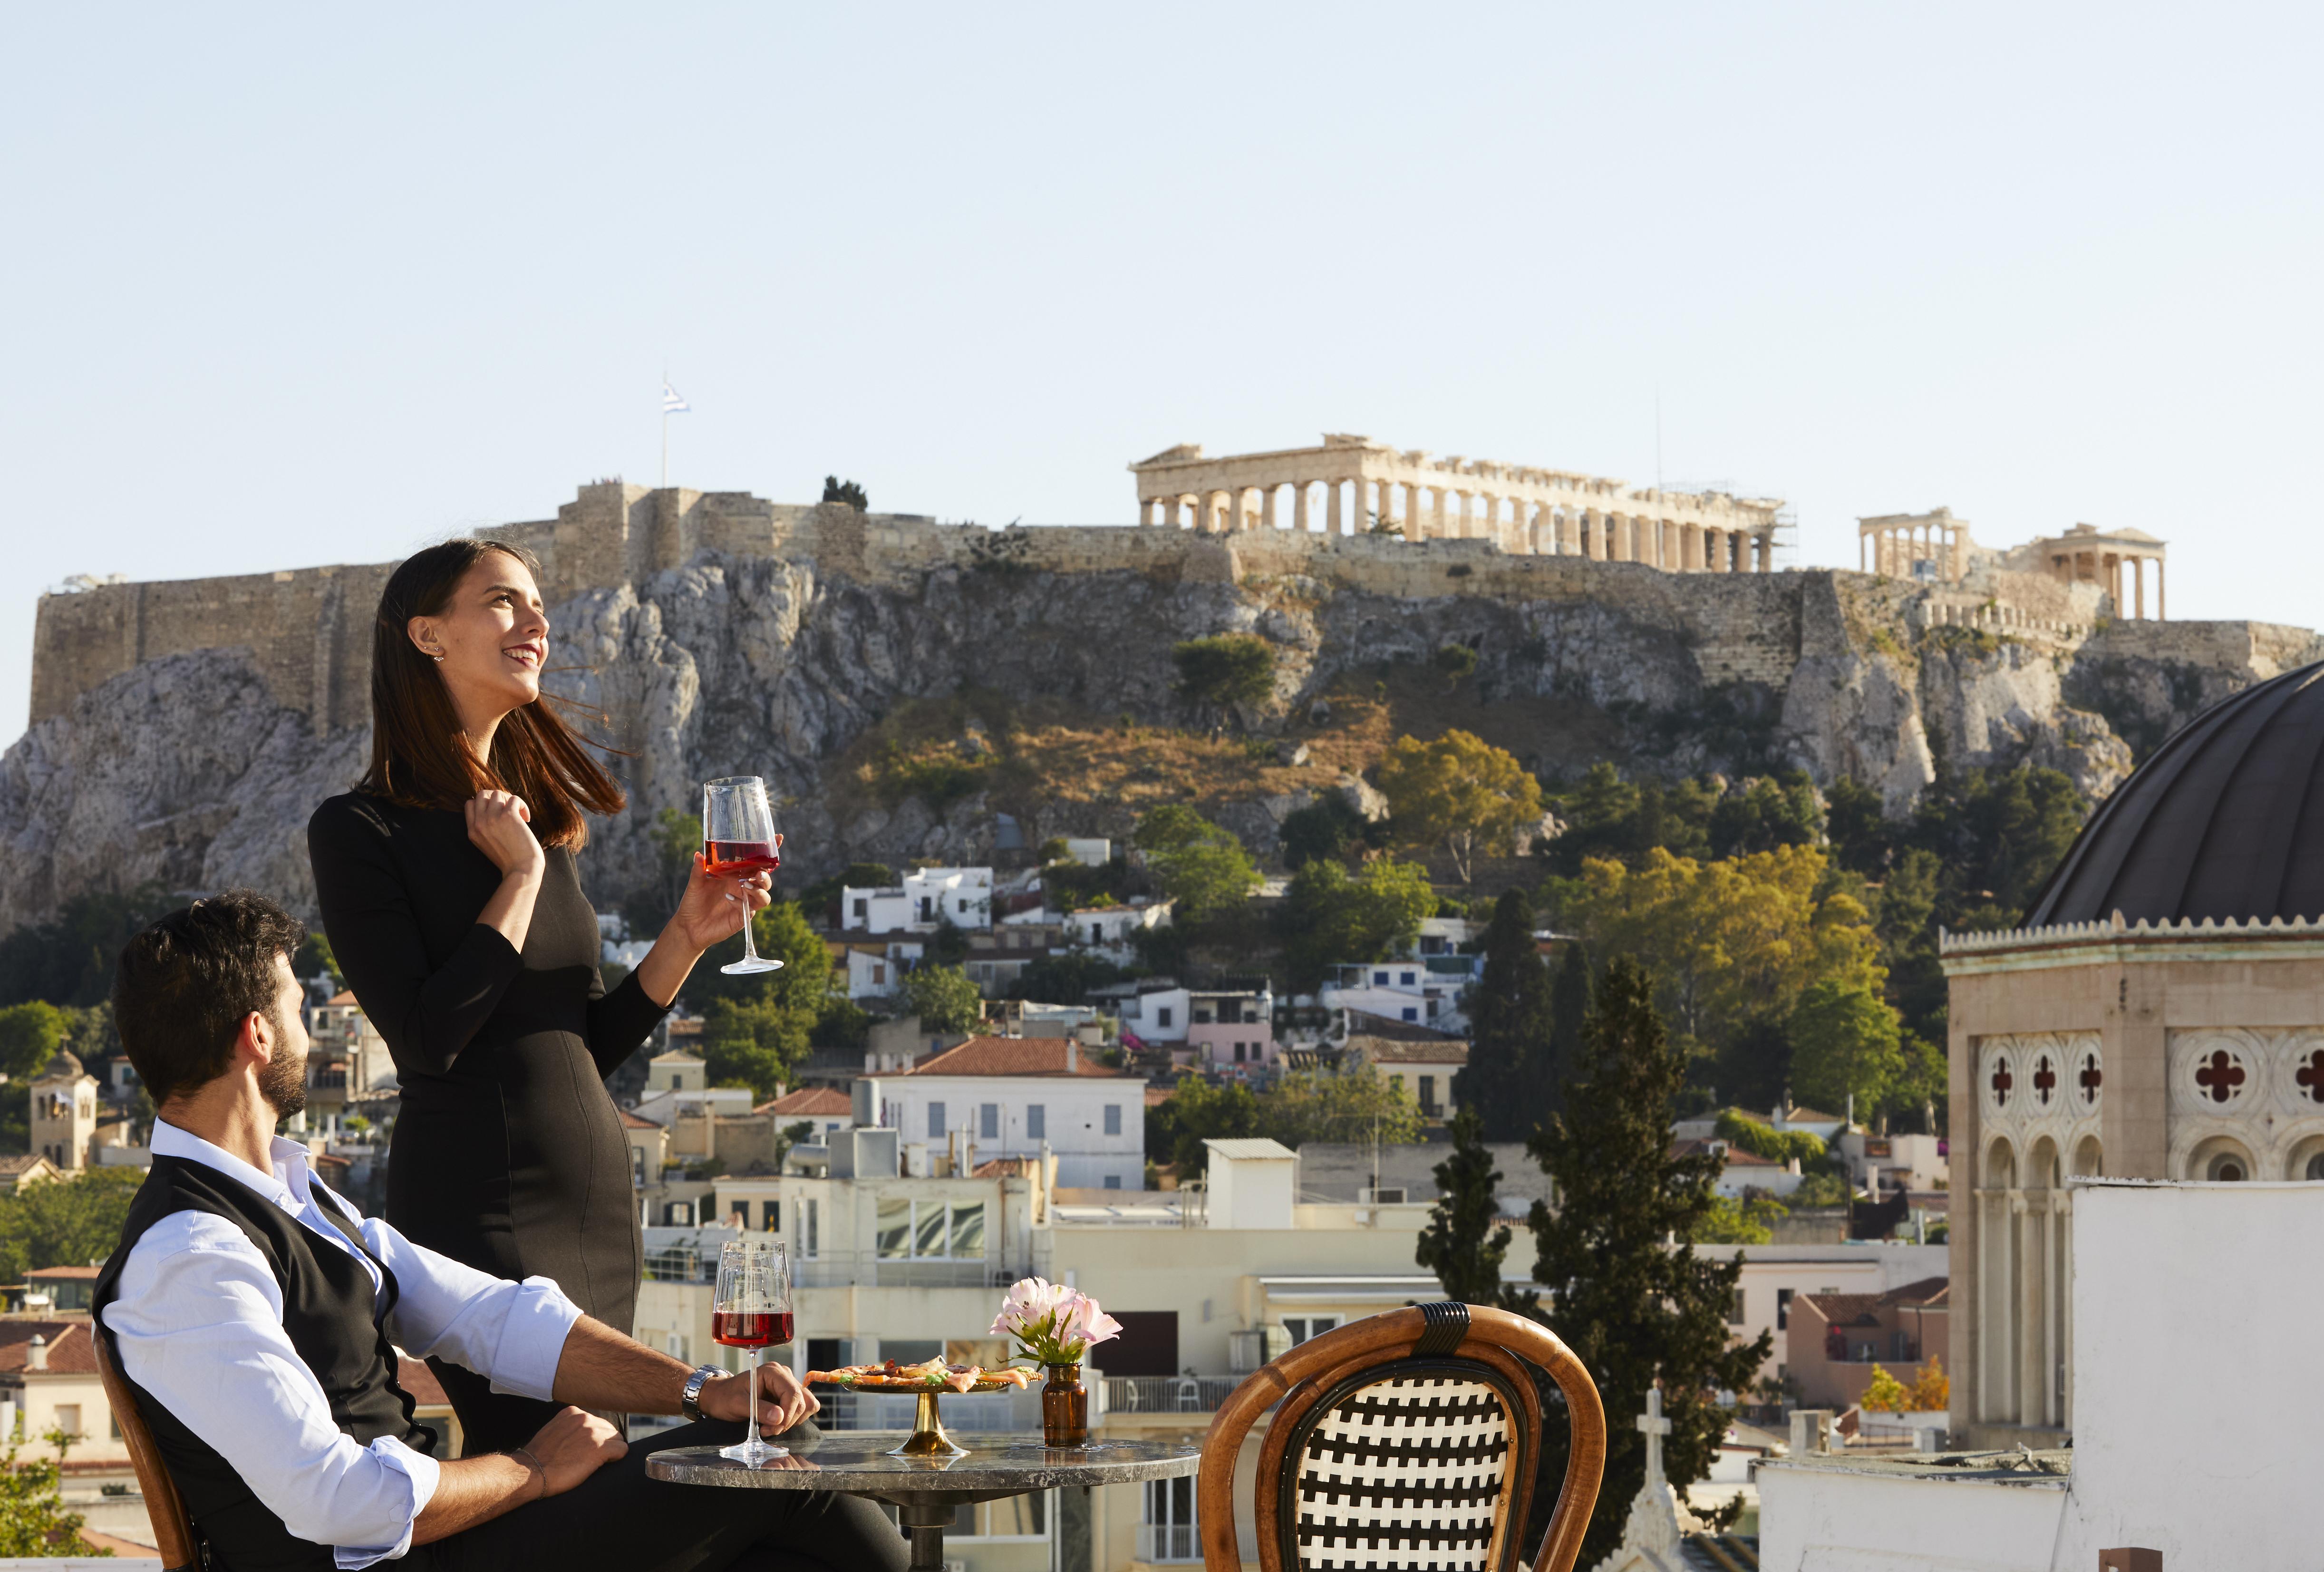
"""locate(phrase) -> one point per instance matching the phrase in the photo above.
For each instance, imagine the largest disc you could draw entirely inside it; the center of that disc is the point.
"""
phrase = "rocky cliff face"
(187, 770)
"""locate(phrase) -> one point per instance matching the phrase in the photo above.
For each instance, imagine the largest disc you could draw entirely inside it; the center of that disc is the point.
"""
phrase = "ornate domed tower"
(64, 1112)
(2160, 1015)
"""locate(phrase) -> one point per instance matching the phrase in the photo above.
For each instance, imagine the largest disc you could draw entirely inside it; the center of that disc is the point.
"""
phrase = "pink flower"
(1081, 1323)
(1029, 1312)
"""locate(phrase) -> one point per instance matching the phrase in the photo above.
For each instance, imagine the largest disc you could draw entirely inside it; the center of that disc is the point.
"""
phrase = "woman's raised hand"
(713, 908)
(500, 826)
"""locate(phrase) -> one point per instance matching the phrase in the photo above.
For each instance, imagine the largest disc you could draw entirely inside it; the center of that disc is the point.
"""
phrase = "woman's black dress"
(507, 1152)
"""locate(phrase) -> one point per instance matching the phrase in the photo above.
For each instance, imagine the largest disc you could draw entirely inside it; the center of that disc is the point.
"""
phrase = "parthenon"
(1369, 487)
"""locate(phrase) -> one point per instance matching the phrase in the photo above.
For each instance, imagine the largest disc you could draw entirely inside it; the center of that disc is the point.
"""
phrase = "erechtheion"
(1370, 488)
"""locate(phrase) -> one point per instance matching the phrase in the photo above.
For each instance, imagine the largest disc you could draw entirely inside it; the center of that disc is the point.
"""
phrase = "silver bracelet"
(526, 1453)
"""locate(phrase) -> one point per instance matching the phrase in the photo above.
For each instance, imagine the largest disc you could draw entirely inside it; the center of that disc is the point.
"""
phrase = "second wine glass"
(738, 840)
(751, 1308)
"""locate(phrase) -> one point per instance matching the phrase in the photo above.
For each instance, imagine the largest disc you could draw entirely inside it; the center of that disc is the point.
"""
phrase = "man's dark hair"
(183, 985)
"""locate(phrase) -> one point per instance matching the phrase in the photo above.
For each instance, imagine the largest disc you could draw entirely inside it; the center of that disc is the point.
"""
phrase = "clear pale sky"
(288, 285)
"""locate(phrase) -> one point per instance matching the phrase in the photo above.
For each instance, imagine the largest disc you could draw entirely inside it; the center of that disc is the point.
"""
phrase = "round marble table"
(927, 1490)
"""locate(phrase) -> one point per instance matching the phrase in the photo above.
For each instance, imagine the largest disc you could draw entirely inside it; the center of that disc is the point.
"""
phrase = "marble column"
(1331, 507)
(1266, 508)
(1299, 507)
(2161, 615)
(1414, 529)
(2138, 583)
(2026, 1314)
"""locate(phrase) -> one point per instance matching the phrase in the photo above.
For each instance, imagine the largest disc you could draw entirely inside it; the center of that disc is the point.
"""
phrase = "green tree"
(1226, 670)
(1508, 1026)
(1331, 917)
(756, 1027)
(1547, 1073)
(1459, 790)
(1845, 1042)
(33, 1520)
(1634, 1308)
(1198, 1110)
(1458, 662)
(1766, 813)
(1329, 829)
(1761, 1139)
(753, 1042)
(1201, 867)
(1883, 1393)
(1332, 1105)
(315, 959)
(1465, 1241)
(846, 491)
(1729, 1222)
(68, 959)
(943, 999)
(30, 1035)
(64, 1222)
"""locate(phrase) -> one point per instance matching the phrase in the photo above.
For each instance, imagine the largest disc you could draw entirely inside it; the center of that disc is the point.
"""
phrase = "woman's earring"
(437, 656)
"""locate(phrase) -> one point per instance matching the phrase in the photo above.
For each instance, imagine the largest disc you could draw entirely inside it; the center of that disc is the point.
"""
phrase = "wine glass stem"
(750, 944)
(751, 1438)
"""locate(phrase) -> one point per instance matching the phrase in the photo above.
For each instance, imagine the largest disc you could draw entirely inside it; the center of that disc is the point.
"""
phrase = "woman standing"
(448, 892)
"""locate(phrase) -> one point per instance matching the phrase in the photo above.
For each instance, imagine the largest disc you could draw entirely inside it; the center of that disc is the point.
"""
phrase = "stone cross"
(1655, 1427)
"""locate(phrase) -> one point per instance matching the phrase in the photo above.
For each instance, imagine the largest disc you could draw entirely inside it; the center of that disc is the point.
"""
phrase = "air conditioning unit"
(1383, 1196)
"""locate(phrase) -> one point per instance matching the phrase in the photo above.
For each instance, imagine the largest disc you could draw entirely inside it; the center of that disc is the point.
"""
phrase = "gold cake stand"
(928, 1437)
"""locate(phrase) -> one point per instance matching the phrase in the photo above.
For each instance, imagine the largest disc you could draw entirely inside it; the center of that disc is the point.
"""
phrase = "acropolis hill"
(182, 731)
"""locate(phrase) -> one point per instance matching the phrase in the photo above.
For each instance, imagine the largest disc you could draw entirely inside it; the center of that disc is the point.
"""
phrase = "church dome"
(64, 1067)
(2225, 821)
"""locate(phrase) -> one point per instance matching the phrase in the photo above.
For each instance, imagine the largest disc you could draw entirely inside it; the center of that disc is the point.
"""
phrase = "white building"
(922, 902)
(1774, 1275)
(875, 966)
(1394, 991)
(1155, 1010)
(2191, 1414)
(1111, 931)
(1019, 1096)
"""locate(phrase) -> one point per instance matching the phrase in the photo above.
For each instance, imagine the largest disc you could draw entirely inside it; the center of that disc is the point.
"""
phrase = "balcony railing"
(1168, 1542)
(1167, 1394)
(850, 1269)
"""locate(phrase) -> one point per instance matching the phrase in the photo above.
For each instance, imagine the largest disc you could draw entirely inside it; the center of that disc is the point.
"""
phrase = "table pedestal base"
(925, 1522)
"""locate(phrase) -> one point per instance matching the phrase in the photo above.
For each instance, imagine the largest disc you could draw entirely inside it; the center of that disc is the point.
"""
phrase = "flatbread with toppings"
(934, 1373)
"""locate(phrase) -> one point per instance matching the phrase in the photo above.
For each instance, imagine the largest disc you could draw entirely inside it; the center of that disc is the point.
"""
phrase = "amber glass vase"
(1064, 1408)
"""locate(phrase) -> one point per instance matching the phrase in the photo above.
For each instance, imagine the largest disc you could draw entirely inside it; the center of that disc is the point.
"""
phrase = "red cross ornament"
(2219, 1075)
(2001, 1084)
(2046, 1080)
(2311, 1076)
(2089, 1077)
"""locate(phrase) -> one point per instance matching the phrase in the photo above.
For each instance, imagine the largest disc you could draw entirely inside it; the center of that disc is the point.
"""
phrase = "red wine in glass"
(750, 1329)
(739, 859)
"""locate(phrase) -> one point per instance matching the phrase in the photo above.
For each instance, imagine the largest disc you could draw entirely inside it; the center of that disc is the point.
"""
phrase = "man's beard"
(283, 1082)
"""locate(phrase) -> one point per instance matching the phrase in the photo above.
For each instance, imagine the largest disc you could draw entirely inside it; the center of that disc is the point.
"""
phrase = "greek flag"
(671, 403)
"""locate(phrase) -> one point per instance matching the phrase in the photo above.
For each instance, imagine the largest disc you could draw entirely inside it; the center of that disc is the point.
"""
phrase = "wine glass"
(738, 840)
(751, 1308)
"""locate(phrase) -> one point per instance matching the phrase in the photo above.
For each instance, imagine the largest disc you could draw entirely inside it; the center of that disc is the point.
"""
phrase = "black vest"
(327, 1313)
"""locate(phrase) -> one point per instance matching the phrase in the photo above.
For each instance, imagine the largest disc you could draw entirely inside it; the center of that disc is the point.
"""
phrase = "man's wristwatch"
(690, 1399)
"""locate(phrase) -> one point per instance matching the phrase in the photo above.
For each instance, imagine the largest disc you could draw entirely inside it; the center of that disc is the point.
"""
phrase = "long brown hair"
(420, 754)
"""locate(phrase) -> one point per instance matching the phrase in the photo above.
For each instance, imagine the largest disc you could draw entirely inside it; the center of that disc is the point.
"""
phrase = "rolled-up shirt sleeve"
(199, 1327)
(511, 1333)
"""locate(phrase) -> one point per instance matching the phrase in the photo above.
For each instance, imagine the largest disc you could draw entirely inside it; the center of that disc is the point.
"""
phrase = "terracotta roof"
(345, 996)
(1004, 1168)
(20, 1163)
(631, 1122)
(65, 1273)
(1012, 1055)
(1364, 1023)
(810, 1101)
(1157, 1095)
(70, 1350)
(1392, 1050)
(1931, 1293)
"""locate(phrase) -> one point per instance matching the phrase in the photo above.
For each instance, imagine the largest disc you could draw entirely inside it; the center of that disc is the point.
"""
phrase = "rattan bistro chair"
(173, 1531)
(1404, 1442)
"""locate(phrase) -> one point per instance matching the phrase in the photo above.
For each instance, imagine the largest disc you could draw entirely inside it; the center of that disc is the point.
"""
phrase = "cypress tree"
(1509, 1027)
(1465, 1241)
(1633, 1306)
(1560, 1048)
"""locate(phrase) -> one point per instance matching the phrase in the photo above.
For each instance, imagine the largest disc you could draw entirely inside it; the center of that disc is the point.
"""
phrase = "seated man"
(257, 1316)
